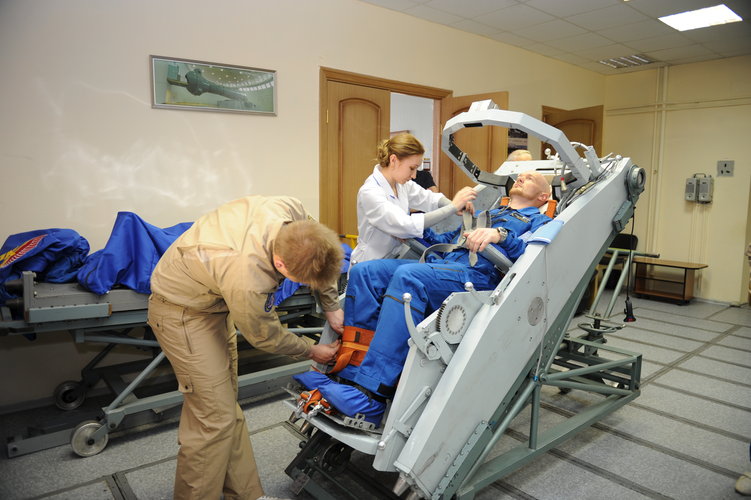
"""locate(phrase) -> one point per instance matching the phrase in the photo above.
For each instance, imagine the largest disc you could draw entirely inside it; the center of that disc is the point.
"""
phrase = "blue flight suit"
(374, 294)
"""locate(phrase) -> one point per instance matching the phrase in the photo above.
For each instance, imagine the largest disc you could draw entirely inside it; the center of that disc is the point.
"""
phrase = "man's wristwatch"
(502, 233)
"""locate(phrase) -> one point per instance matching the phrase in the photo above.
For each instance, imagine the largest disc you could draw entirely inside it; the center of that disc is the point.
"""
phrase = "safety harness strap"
(355, 343)
(469, 222)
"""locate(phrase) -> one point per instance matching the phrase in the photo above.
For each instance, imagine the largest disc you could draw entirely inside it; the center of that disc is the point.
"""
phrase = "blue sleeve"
(538, 221)
(433, 238)
(514, 245)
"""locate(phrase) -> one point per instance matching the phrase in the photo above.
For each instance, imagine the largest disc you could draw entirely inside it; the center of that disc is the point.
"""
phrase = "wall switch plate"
(725, 168)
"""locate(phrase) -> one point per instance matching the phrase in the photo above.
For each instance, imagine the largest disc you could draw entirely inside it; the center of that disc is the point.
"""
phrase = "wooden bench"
(667, 279)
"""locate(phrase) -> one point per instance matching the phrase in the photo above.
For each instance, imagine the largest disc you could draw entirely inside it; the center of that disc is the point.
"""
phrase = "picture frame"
(204, 86)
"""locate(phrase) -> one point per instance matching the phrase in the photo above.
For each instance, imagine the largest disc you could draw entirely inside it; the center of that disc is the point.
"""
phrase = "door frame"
(586, 115)
(330, 74)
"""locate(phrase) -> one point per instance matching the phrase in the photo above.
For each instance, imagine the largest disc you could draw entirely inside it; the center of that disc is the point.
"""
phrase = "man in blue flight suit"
(374, 309)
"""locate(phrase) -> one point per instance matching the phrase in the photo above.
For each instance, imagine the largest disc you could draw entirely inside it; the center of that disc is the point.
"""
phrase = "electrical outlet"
(725, 168)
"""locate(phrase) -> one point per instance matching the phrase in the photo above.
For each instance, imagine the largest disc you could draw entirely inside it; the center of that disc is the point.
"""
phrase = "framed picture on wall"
(203, 86)
(517, 139)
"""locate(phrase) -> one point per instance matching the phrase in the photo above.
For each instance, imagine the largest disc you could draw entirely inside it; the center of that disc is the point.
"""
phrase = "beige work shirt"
(224, 264)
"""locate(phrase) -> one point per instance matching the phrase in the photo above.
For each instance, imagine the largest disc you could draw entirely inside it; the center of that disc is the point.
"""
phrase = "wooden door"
(357, 120)
(485, 146)
(355, 116)
(582, 125)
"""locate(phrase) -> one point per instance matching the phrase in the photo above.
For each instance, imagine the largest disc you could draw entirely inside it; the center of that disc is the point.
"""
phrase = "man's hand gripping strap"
(355, 343)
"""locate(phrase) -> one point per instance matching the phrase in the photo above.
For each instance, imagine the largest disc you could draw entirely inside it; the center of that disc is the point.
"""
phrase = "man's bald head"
(531, 189)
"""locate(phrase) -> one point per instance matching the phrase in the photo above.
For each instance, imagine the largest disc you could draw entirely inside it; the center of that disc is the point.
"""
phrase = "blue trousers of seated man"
(374, 302)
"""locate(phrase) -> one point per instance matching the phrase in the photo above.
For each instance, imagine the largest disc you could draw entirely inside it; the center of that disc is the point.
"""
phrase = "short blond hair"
(311, 252)
(516, 155)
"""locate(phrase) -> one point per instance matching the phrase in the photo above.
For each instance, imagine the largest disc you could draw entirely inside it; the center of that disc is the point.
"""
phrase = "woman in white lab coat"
(387, 198)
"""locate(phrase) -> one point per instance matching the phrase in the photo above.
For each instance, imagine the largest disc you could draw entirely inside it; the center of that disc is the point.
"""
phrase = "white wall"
(416, 115)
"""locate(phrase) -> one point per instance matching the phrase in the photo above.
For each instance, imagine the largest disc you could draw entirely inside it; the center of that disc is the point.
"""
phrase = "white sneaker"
(266, 497)
(743, 484)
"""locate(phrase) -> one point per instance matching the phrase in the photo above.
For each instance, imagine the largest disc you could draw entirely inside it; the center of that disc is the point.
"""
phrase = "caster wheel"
(69, 395)
(335, 458)
(82, 442)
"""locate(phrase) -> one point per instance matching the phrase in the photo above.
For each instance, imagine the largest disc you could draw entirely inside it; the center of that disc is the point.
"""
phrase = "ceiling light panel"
(701, 18)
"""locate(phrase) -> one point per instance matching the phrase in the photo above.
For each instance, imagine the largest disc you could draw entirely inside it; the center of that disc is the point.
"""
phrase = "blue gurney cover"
(53, 254)
(130, 255)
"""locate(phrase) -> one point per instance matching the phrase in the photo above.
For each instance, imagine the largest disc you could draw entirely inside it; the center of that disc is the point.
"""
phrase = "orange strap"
(550, 211)
(312, 398)
(355, 343)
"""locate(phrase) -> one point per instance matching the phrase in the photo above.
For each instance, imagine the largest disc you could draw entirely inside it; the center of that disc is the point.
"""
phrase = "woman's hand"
(463, 198)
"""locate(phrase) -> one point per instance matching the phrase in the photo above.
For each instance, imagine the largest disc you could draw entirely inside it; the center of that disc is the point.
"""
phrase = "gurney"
(479, 361)
(118, 318)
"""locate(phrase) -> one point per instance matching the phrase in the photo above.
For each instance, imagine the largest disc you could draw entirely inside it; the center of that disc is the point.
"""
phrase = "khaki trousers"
(215, 456)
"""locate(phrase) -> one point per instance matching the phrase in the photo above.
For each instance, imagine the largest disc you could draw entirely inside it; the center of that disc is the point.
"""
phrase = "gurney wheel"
(81, 441)
(68, 395)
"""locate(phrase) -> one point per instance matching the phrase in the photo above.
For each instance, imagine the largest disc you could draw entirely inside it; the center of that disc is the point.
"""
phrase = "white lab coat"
(383, 218)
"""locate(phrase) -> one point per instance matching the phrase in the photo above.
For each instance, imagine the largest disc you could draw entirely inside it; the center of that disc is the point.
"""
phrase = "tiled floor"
(686, 437)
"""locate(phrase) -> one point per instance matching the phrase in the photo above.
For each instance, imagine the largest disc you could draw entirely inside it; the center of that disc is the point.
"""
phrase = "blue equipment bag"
(55, 255)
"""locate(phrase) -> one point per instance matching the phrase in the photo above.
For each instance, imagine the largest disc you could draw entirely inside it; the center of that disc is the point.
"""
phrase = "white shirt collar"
(381, 180)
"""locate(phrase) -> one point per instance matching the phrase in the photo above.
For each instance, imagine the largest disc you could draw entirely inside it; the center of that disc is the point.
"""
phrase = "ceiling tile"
(512, 39)
(711, 33)
(695, 59)
(545, 49)
(434, 15)
(681, 53)
(474, 27)
(730, 46)
(550, 30)
(570, 7)
(609, 16)
(636, 31)
(581, 42)
(573, 59)
(471, 9)
(513, 18)
(740, 7)
(660, 42)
